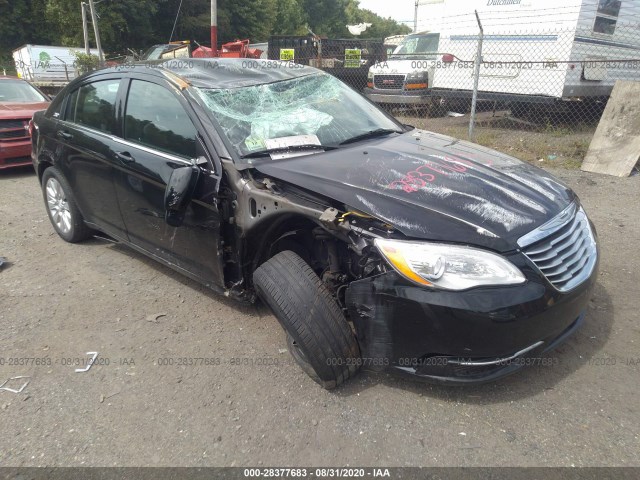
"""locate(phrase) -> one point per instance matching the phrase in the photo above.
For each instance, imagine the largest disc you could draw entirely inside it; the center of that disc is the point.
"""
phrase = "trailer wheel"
(521, 110)
(438, 107)
(319, 337)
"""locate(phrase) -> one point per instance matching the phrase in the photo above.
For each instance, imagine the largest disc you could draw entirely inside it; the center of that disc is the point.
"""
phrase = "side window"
(607, 16)
(70, 111)
(96, 105)
(55, 108)
(155, 118)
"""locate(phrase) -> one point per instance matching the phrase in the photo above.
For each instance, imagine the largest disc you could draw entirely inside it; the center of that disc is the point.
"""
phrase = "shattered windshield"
(315, 110)
(418, 45)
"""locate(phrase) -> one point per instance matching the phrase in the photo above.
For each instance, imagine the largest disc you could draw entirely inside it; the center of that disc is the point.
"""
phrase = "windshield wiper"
(379, 132)
(292, 148)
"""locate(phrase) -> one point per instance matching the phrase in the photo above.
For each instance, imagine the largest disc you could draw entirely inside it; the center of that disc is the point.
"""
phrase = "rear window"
(19, 91)
(94, 105)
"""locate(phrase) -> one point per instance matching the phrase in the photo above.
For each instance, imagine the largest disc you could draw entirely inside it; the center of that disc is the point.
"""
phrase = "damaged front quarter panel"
(258, 216)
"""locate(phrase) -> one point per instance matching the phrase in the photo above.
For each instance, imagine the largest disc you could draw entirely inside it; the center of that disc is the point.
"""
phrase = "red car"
(19, 100)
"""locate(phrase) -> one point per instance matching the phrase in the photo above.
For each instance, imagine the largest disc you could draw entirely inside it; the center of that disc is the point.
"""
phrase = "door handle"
(125, 157)
(65, 135)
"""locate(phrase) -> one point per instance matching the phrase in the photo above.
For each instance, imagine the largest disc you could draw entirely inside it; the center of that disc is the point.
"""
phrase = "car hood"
(10, 110)
(433, 187)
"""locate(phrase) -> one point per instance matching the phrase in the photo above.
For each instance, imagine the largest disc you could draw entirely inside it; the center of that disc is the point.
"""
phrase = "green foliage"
(123, 24)
(85, 62)
(138, 24)
(22, 21)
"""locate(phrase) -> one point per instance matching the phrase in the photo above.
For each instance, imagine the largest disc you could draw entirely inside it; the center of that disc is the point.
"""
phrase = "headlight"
(370, 76)
(449, 267)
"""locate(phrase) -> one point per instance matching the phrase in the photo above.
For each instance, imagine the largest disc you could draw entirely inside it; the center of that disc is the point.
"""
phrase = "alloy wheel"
(58, 206)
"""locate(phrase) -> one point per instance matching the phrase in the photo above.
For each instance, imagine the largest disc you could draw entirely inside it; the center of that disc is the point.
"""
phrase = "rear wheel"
(61, 207)
(319, 337)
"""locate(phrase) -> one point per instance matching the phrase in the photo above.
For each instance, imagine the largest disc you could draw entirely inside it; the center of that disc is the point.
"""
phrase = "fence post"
(476, 78)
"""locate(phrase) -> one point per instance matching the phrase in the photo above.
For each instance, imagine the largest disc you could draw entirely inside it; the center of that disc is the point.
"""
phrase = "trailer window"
(607, 16)
(609, 7)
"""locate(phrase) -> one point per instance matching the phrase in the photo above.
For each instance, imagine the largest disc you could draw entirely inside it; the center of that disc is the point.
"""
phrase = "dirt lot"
(59, 301)
(560, 142)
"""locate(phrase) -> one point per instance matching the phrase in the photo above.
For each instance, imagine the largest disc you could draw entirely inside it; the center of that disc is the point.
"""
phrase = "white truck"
(47, 66)
(405, 77)
(536, 51)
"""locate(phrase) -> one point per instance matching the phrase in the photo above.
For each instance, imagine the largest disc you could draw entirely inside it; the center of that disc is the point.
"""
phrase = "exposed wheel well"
(42, 166)
(289, 232)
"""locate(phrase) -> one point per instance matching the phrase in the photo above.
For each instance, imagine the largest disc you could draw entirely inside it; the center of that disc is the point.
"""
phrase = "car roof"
(219, 73)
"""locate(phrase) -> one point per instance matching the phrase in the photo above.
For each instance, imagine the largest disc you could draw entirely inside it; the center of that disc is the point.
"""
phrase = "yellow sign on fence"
(352, 57)
(287, 54)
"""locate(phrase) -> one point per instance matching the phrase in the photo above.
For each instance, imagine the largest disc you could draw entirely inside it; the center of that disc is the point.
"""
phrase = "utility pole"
(214, 28)
(85, 29)
(96, 30)
(415, 18)
(476, 79)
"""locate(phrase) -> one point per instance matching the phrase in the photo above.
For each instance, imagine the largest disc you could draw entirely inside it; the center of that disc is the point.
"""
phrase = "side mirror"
(178, 194)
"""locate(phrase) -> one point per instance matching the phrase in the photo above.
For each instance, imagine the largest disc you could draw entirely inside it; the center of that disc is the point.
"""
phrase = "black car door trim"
(76, 126)
(158, 153)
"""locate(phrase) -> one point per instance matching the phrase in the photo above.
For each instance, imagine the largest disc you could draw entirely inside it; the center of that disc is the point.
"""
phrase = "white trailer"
(535, 50)
(47, 66)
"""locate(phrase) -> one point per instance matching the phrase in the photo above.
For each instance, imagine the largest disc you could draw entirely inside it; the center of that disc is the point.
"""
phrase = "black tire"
(522, 110)
(320, 339)
(78, 230)
(438, 107)
(422, 112)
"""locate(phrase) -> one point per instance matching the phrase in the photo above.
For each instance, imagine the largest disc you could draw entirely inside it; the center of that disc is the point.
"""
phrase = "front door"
(158, 137)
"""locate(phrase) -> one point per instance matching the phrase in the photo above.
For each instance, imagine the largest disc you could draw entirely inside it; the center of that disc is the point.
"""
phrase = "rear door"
(85, 139)
(159, 134)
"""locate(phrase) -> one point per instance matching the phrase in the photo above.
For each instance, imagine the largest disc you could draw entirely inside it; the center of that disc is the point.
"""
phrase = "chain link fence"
(527, 80)
(509, 82)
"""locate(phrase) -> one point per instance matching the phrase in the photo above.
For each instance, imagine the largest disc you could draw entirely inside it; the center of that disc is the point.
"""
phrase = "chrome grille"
(564, 250)
(388, 82)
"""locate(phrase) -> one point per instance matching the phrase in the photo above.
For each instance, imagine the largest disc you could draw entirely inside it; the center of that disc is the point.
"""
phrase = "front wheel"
(318, 335)
(61, 207)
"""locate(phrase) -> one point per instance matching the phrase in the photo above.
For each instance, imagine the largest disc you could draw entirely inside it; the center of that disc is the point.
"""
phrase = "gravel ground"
(59, 301)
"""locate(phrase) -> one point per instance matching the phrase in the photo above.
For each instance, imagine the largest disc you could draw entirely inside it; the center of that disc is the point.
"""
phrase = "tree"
(21, 22)
(290, 19)
(85, 62)
(193, 21)
(139, 24)
(123, 24)
(327, 17)
(251, 19)
(380, 27)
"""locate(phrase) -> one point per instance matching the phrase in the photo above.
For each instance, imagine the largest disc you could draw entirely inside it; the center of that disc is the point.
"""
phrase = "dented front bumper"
(463, 337)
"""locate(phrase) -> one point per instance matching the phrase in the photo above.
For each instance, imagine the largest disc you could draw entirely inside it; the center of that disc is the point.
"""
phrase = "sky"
(400, 10)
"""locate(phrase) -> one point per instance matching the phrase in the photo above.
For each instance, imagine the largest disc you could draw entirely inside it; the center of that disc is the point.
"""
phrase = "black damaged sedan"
(375, 244)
